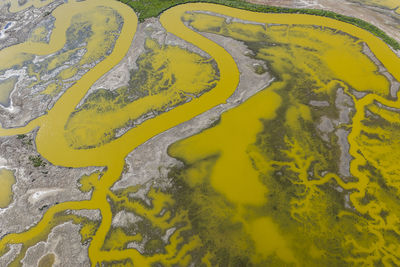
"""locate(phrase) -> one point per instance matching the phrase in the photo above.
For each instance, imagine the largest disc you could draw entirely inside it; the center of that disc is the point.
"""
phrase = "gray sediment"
(150, 160)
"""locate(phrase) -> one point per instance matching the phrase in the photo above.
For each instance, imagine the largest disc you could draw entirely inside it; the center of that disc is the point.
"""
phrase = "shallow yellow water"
(391, 4)
(7, 180)
(312, 62)
(47, 260)
(237, 201)
(16, 7)
(6, 88)
(38, 34)
(183, 74)
(233, 175)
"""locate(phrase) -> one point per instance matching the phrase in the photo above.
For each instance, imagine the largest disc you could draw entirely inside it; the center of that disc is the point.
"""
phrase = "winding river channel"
(52, 144)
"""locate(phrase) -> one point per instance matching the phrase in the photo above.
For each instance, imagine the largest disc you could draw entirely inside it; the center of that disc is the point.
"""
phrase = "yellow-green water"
(7, 180)
(16, 7)
(38, 34)
(245, 195)
(6, 88)
(287, 225)
(47, 260)
(165, 79)
(391, 4)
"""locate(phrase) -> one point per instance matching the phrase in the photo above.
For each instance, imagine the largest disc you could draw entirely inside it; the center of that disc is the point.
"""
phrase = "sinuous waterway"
(227, 184)
(15, 6)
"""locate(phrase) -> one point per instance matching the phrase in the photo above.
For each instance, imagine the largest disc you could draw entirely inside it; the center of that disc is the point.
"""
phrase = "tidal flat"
(209, 136)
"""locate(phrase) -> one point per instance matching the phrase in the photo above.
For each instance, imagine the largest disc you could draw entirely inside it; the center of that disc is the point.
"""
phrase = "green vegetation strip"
(152, 8)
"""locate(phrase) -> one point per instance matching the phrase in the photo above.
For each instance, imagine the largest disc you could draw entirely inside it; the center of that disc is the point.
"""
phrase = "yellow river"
(238, 195)
(7, 181)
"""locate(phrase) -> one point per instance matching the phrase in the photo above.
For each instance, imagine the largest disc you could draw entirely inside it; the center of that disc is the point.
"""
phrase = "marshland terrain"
(226, 133)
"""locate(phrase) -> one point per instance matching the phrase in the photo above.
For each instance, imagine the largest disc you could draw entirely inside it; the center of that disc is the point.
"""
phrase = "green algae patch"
(7, 180)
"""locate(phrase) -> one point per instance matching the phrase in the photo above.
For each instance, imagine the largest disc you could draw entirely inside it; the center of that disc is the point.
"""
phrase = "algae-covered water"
(6, 88)
(388, 4)
(7, 180)
(259, 188)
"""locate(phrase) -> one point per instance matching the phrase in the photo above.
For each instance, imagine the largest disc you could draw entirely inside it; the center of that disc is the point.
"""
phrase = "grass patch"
(21, 136)
(37, 161)
(152, 8)
(24, 139)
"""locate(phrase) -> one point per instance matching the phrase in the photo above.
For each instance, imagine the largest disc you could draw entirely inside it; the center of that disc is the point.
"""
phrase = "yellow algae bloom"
(38, 34)
(296, 172)
(88, 182)
(323, 53)
(51, 89)
(233, 174)
(260, 187)
(81, 46)
(167, 76)
(268, 239)
(17, 7)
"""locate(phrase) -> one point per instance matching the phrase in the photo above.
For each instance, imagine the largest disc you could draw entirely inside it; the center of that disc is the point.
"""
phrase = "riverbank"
(154, 8)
